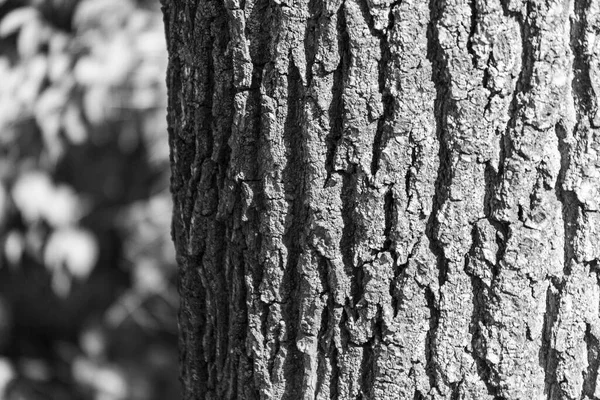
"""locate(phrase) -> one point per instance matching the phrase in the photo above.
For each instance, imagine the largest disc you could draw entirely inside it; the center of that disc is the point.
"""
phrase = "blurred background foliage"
(87, 294)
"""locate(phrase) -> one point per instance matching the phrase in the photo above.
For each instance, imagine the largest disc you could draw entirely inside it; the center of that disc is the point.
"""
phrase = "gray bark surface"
(381, 199)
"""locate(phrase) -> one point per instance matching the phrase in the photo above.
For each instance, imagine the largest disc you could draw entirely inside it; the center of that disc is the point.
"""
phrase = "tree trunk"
(386, 200)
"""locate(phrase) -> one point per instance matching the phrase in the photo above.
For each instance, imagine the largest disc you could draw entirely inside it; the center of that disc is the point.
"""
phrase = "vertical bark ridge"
(326, 286)
(464, 153)
(313, 310)
(527, 201)
(283, 173)
(360, 236)
(251, 24)
(238, 366)
(407, 152)
(578, 304)
(580, 177)
(249, 38)
(211, 198)
(196, 193)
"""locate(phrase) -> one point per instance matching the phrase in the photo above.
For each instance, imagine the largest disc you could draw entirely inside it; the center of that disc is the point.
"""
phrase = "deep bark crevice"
(443, 179)
(348, 200)
(548, 357)
(472, 33)
(430, 349)
(481, 300)
(384, 130)
(324, 336)
(315, 10)
(335, 374)
(435, 51)
(336, 110)
(293, 182)
(367, 374)
(590, 376)
(529, 32)
(583, 91)
(568, 199)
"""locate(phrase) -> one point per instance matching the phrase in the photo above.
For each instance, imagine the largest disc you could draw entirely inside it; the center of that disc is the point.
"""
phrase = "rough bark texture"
(380, 199)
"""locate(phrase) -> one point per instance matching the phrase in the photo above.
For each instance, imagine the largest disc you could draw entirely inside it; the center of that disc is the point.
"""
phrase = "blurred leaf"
(75, 129)
(92, 12)
(106, 379)
(48, 115)
(111, 383)
(148, 278)
(59, 43)
(83, 370)
(30, 38)
(7, 374)
(74, 248)
(63, 207)
(144, 98)
(14, 245)
(137, 22)
(36, 197)
(93, 341)
(30, 84)
(120, 59)
(14, 20)
(58, 67)
(153, 44)
(30, 193)
(94, 104)
(51, 102)
(48, 109)
(88, 71)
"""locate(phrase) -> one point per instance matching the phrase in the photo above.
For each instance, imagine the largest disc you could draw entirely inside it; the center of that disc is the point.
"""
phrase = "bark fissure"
(336, 109)
(582, 85)
(443, 177)
(441, 192)
(315, 9)
(294, 184)
(434, 317)
(590, 376)
(478, 319)
(568, 199)
(548, 355)
(472, 32)
(382, 134)
(480, 315)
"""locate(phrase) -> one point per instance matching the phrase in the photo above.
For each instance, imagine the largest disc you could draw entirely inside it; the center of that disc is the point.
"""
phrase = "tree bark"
(380, 199)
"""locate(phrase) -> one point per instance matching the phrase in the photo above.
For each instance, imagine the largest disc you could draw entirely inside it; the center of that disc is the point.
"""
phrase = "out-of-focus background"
(88, 299)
